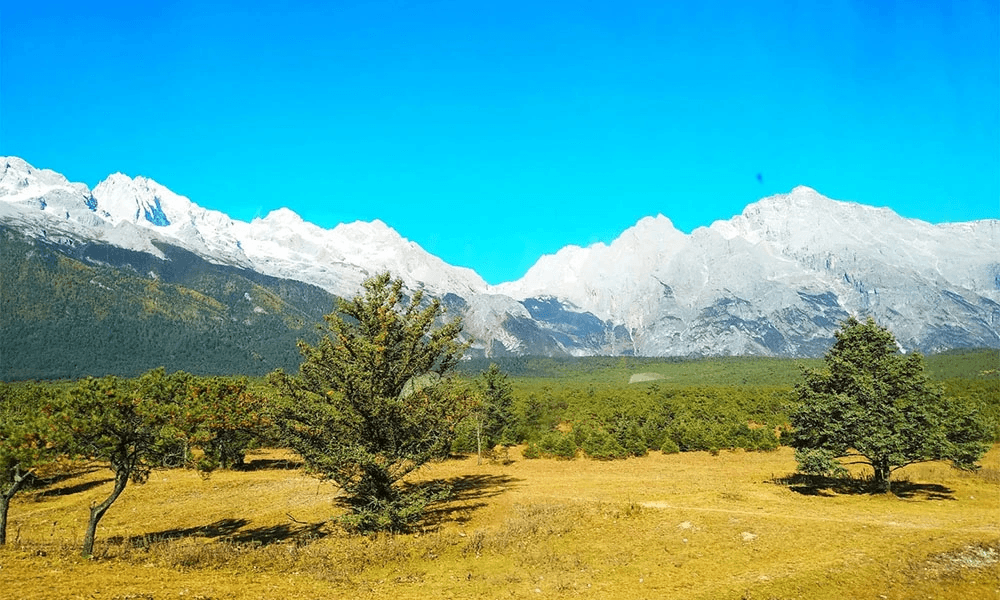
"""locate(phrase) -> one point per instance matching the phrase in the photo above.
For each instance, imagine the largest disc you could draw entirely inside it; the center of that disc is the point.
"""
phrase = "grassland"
(687, 525)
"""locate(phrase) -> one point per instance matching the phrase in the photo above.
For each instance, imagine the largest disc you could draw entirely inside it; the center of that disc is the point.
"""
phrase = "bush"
(557, 445)
(531, 451)
(669, 446)
(819, 462)
(464, 442)
(600, 445)
(632, 439)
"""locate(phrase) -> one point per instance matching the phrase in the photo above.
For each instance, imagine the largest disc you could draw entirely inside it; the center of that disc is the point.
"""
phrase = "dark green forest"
(103, 310)
(585, 406)
(704, 404)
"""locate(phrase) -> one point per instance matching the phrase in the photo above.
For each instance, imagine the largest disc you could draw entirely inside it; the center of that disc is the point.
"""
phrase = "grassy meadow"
(725, 523)
(687, 525)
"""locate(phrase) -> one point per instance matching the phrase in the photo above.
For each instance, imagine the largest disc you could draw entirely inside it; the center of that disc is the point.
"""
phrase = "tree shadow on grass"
(268, 464)
(819, 485)
(231, 531)
(285, 532)
(466, 495)
(444, 500)
(44, 487)
(69, 490)
(218, 529)
(63, 475)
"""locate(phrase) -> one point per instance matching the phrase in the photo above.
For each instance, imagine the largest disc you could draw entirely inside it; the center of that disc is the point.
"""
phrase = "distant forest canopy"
(562, 405)
(109, 311)
(733, 370)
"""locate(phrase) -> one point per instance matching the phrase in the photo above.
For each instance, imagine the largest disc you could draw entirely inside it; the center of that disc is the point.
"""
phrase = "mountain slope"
(93, 309)
(134, 213)
(779, 277)
(775, 280)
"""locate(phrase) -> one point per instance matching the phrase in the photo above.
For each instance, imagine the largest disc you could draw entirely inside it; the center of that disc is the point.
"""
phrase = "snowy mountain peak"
(775, 279)
(282, 216)
(141, 201)
(20, 181)
(803, 190)
(373, 232)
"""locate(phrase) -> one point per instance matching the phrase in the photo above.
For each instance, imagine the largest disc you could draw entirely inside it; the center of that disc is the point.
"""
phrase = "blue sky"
(493, 132)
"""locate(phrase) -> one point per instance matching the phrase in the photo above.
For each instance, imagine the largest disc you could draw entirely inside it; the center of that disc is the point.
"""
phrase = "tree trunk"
(479, 442)
(4, 503)
(882, 475)
(96, 512)
(18, 482)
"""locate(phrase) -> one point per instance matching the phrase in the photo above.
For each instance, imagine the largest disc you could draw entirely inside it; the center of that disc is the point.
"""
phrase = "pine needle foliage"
(130, 424)
(873, 405)
(29, 441)
(370, 403)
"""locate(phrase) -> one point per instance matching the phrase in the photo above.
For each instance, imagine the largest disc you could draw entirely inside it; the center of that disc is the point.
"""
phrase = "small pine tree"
(370, 403)
(494, 418)
(129, 424)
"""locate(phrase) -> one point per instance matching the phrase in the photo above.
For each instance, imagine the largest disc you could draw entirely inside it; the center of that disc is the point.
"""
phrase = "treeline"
(600, 370)
(617, 422)
(131, 425)
(740, 371)
(566, 414)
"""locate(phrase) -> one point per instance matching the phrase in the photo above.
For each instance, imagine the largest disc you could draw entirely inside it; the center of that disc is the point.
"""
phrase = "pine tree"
(494, 417)
(29, 441)
(872, 405)
(370, 403)
(130, 424)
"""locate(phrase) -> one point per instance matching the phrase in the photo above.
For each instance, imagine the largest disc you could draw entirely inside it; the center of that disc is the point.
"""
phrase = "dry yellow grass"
(664, 526)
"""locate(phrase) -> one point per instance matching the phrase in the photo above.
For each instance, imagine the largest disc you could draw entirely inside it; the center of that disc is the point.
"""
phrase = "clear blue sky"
(493, 132)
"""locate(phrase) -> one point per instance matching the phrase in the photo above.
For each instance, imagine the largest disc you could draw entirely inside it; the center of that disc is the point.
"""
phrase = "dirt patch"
(973, 556)
(641, 377)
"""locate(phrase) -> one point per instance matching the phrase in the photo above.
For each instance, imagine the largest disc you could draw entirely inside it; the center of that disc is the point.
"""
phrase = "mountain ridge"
(774, 280)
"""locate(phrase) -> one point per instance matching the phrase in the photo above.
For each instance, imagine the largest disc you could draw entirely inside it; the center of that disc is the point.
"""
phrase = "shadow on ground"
(46, 487)
(818, 485)
(231, 531)
(71, 489)
(444, 500)
(221, 528)
(265, 464)
(460, 496)
(466, 496)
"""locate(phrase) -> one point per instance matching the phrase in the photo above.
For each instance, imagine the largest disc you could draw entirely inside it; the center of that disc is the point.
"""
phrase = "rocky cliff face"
(774, 280)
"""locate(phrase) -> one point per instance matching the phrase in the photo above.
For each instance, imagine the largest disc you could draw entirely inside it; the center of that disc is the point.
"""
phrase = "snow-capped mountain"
(133, 213)
(775, 280)
(778, 278)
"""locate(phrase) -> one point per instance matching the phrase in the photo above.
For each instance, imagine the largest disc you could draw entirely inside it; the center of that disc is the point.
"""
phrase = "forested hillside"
(67, 312)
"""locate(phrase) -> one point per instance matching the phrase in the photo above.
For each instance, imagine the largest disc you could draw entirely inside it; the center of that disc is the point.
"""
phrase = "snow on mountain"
(775, 280)
(778, 278)
(24, 188)
(340, 259)
(134, 212)
(170, 217)
(599, 277)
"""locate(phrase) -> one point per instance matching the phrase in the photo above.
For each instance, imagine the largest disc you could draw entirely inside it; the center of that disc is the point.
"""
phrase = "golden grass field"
(686, 525)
